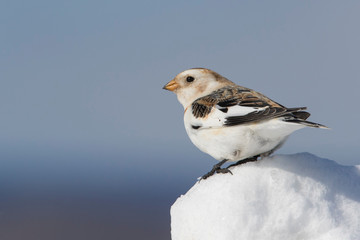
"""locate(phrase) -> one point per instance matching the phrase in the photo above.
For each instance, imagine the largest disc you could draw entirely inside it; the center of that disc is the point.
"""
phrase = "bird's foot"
(213, 171)
(251, 159)
(216, 169)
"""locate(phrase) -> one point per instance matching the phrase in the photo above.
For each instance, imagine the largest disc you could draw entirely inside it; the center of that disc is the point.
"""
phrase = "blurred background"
(91, 147)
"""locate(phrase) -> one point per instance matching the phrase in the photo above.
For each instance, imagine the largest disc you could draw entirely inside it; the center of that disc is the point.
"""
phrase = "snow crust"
(298, 196)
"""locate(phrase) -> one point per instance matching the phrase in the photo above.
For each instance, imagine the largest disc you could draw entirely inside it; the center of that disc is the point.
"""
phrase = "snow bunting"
(230, 122)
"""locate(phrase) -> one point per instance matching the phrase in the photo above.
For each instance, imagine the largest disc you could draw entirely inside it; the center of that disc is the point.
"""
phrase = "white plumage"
(230, 122)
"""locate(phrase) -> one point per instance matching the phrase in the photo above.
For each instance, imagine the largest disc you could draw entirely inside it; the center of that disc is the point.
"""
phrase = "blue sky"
(81, 96)
(87, 76)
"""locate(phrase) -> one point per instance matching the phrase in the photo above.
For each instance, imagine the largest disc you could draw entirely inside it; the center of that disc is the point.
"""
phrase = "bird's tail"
(308, 123)
(296, 115)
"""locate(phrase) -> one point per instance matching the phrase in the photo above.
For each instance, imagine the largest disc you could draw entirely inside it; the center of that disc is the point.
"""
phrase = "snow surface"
(298, 196)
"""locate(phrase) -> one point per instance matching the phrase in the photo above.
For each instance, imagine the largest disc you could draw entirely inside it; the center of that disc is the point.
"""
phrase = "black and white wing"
(235, 105)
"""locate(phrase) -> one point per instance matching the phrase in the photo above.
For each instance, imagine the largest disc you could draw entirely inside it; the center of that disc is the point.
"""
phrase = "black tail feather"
(297, 115)
(301, 115)
(306, 123)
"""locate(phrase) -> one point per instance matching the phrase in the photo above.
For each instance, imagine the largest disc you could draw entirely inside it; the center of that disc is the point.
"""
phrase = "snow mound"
(297, 196)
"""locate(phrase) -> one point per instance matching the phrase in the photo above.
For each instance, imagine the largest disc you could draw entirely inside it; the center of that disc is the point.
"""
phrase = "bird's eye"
(190, 79)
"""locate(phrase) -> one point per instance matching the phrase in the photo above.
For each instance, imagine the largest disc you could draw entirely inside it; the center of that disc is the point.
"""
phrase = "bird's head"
(192, 84)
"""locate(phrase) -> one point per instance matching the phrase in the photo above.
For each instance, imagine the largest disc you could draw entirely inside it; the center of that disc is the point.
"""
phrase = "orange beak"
(171, 86)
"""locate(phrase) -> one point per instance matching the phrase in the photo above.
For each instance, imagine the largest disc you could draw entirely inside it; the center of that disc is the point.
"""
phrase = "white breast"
(236, 142)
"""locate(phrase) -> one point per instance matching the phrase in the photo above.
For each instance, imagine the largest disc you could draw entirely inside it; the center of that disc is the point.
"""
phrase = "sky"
(83, 109)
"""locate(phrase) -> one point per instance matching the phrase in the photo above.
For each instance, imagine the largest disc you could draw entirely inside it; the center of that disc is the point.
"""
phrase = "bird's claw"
(215, 170)
(223, 170)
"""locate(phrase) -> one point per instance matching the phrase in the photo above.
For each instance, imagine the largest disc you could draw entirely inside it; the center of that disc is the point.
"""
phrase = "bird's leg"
(251, 159)
(217, 169)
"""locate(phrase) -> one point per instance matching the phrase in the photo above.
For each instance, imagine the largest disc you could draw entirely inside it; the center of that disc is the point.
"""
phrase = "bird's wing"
(235, 105)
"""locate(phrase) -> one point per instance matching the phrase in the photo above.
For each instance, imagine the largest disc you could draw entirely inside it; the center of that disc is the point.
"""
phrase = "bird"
(232, 123)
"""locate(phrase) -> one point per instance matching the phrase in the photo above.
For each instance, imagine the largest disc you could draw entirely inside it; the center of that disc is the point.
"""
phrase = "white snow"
(297, 196)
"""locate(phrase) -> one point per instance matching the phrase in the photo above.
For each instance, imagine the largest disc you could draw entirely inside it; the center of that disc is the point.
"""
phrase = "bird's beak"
(171, 86)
